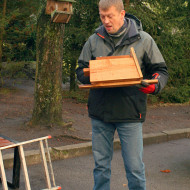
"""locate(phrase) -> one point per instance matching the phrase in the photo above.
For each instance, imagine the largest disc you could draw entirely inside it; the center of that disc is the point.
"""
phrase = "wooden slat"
(118, 81)
(24, 167)
(48, 182)
(136, 62)
(61, 17)
(86, 72)
(50, 163)
(113, 57)
(116, 84)
(113, 70)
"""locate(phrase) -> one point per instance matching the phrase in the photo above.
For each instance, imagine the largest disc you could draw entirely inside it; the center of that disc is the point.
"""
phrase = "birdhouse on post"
(60, 10)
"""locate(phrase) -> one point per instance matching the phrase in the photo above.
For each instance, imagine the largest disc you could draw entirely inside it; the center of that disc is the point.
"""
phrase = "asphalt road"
(76, 173)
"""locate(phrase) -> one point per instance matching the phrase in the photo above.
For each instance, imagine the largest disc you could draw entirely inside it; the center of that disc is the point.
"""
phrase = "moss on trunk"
(48, 81)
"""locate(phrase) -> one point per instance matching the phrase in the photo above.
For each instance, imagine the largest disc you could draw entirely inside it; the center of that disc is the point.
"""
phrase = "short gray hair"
(106, 4)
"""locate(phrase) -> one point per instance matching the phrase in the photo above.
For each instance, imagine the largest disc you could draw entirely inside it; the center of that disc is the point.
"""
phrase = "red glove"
(149, 89)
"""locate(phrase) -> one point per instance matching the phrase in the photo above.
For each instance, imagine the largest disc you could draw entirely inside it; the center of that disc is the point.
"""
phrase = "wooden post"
(48, 182)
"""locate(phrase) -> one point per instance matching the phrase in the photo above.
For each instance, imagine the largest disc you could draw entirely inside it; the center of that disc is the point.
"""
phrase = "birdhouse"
(60, 10)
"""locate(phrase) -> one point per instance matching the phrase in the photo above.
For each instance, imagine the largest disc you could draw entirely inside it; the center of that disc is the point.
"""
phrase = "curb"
(82, 149)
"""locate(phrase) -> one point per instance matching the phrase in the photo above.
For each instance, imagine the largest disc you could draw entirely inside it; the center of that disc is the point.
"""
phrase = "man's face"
(112, 19)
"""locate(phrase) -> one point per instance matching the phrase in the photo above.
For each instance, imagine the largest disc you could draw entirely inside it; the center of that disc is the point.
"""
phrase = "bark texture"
(48, 81)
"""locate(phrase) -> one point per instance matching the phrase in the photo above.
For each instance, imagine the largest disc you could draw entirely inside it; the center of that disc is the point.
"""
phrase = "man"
(123, 108)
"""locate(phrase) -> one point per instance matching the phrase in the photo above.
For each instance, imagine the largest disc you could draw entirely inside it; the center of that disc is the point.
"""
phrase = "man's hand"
(150, 88)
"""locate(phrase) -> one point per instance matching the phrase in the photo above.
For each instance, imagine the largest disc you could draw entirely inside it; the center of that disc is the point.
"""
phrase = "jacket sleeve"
(154, 64)
(83, 62)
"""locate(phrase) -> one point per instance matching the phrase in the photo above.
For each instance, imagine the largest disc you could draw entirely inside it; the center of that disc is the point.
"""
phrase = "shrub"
(175, 94)
(18, 70)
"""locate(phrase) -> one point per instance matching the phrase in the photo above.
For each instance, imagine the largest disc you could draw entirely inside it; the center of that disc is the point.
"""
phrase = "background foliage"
(168, 22)
(19, 36)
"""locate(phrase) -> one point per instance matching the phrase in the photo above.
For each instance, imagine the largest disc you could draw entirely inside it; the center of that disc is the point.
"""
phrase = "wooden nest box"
(60, 10)
(115, 71)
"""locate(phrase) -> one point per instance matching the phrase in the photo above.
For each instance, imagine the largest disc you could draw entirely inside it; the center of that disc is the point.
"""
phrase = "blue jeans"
(131, 139)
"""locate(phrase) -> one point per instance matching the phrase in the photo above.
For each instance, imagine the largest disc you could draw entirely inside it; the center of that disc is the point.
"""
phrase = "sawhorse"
(11, 144)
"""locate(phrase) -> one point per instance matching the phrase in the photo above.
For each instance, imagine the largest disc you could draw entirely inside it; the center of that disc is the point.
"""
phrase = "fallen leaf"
(165, 171)
(124, 185)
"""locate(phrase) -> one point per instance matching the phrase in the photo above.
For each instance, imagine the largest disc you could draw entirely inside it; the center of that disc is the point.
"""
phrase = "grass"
(79, 96)
(6, 91)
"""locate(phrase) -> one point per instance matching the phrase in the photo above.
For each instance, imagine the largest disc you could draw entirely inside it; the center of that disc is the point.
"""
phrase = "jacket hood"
(136, 21)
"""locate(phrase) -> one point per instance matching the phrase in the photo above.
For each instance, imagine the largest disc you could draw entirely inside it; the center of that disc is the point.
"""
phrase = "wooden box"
(60, 10)
(115, 71)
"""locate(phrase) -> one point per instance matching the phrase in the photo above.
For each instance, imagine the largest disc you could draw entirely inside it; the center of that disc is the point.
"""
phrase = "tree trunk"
(48, 81)
(2, 29)
(73, 75)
